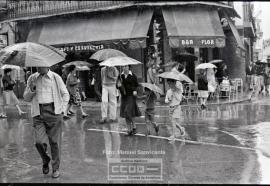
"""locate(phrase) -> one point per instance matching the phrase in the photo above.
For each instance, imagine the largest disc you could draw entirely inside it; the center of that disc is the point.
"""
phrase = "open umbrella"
(152, 87)
(176, 76)
(186, 56)
(82, 68)
(119, 61)
(205, 66)
(11, 67)
(216, 61)
(31, 55)
(78, 64)
(104, 54)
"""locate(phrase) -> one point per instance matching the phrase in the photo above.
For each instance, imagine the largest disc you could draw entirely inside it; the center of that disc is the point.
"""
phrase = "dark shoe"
(55, 174)
(148, 133)
(84, 115)
(157, 129)
(129, 133)
(103, 121)
(134, 131)
(71, 112)
(113, 120)
(46, 168)
(66, 117)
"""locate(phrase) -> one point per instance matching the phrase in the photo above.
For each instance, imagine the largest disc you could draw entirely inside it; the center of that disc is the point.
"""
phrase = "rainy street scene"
(134, 92)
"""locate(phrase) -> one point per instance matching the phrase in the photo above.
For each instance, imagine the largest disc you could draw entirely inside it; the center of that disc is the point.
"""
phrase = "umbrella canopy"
(104, 54)
(186, 56)
(119, 61)
(216, 61)
(11, 67)
(152, 87)
(176, 76)
(82, 68)
(78, 64)
(205, 66)
(31, 55)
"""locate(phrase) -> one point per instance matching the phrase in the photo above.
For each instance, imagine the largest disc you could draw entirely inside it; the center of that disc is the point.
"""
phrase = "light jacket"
(60, 94)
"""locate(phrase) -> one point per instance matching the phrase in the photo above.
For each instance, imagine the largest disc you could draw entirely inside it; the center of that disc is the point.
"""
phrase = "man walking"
(109, 77)
(49, 97)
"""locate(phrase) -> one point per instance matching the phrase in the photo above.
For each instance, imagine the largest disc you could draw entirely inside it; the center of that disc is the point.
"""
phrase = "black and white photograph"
(134, 92)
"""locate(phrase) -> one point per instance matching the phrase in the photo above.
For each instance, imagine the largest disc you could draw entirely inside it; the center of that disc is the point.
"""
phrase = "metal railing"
(32, 8)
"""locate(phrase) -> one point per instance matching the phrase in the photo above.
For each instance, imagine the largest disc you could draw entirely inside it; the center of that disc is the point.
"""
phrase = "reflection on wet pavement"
(226, 144)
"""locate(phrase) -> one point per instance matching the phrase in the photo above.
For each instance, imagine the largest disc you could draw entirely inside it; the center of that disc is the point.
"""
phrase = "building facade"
(141, 29)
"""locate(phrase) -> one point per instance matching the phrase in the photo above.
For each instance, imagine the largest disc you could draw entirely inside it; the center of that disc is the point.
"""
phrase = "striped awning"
(193, 27)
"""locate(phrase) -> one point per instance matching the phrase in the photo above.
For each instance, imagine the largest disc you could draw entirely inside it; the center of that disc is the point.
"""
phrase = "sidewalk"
(241, 97)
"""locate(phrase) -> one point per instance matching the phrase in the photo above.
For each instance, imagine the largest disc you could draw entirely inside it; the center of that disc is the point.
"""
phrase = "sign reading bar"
(81, 48)
(215, 42)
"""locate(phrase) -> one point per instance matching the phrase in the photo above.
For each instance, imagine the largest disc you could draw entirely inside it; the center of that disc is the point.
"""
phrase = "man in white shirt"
(109, 77)
(49, 97)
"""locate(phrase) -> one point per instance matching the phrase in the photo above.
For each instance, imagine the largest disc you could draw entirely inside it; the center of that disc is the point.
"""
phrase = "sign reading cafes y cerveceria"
(81, 47)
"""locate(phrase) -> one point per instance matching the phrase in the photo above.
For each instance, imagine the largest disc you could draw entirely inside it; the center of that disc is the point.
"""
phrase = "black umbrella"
(185, 56)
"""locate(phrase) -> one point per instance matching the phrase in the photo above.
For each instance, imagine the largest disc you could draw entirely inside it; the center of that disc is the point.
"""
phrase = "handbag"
(120, 86)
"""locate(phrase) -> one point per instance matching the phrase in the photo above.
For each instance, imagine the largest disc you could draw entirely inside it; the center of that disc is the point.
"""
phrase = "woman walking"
(9, 98)
(212, 85)
(129, 107)
(75, 98)
(202, 88)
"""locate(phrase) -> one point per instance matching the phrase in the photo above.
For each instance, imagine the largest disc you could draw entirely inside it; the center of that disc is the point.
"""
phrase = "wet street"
(226, 144)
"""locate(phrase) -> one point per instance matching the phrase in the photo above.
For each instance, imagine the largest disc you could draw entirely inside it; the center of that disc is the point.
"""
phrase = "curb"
(161, 106)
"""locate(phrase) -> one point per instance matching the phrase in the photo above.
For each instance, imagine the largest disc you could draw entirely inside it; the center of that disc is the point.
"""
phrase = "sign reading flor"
(135, 169)
(196, 42)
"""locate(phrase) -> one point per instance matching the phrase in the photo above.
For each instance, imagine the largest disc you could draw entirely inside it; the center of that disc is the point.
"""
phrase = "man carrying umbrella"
(47, 93)
(109, 77)
(49, 96)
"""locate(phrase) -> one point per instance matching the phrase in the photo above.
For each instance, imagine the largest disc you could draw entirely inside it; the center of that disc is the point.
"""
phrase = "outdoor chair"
(234, 88)
(190, 93)
(239, 84)
(225, 91)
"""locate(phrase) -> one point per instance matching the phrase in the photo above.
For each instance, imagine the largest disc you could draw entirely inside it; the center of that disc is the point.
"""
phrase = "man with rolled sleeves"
(49, 97)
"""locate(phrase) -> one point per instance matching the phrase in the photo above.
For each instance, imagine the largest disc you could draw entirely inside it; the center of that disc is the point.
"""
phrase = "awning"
(126, 27)
(235, 33)
(193, 27)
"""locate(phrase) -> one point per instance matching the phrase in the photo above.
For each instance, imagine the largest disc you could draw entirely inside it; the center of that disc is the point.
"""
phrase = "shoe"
(3, 116)
(71, 112)
(84, 115)
(113, 120)
(55, 174)
(103, 121)
(66, 118)
(171, 138)
(156, 129)
(129, 133)
(45, 167)
(134, 131)
(182, 130)
(22, 112)
(148, 133)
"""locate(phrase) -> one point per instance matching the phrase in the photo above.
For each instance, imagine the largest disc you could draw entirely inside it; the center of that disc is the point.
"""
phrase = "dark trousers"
(48, 125)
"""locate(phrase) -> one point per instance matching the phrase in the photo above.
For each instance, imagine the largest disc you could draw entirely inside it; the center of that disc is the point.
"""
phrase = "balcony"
(32, 9)
(41, 8)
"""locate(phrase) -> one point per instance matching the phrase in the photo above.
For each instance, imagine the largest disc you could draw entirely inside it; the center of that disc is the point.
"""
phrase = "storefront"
(81, 36)
(195, 29)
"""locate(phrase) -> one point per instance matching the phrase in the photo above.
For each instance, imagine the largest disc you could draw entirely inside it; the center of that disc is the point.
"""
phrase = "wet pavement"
(226, 144)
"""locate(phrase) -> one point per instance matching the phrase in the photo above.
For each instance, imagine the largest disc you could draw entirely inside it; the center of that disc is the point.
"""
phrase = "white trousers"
(109, 102)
